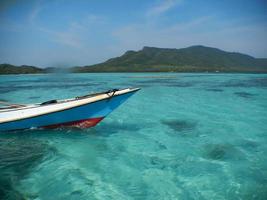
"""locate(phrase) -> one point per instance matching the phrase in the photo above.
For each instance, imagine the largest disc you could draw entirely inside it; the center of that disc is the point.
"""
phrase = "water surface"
(183, 136)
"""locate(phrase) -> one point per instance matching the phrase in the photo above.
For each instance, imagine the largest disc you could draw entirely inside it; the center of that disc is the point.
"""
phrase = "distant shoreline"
(32, 74)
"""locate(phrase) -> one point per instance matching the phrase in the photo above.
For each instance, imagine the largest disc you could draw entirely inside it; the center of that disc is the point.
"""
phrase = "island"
(152, 59)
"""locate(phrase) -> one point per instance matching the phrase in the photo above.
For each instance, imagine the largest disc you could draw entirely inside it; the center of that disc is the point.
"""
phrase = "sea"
(182, 136)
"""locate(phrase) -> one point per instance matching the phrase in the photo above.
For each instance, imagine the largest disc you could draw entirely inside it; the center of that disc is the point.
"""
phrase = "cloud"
(38, 6)
(162, 7)
(33, 14)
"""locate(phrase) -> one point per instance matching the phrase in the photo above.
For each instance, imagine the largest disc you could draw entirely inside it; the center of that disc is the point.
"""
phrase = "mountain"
(23, 69)
(191, 59)
(152, 59)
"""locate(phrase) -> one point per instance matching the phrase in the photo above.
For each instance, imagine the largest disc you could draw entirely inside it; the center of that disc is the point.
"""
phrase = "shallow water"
(183, 136)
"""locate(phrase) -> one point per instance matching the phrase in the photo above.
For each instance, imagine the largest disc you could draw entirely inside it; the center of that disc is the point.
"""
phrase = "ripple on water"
(4, 90)
(249, 191)
(17, 157)
(156, 81)
(245, 95)
(166, 82)
(252, 82)
(181, 84)
(3, 100)
(13, 88)
(145, 157)
(108, 128)
(249, 145)
(34, 97)
(214, 90)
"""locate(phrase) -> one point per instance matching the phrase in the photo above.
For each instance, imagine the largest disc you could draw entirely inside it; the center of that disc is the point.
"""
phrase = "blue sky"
(69, 33)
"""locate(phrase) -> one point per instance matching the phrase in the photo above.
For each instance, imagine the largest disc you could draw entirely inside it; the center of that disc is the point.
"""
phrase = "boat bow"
(92, 107)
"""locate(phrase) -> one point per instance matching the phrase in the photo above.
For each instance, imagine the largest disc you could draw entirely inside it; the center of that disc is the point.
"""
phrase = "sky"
(64, 33)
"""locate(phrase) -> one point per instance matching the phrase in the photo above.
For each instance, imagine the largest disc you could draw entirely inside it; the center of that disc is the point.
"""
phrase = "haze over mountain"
(152, 59)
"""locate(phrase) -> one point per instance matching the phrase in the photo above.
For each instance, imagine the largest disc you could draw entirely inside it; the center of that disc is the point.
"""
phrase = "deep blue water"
(183, 136)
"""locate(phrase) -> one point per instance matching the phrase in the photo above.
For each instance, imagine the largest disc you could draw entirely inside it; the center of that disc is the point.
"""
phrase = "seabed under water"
(183, 136)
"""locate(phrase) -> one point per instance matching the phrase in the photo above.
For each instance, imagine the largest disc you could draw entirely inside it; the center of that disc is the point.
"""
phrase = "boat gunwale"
(64, 109)
(28, 106)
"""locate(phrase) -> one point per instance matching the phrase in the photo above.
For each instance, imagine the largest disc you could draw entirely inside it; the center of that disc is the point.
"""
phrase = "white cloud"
(34, 13)
(162, 7)
(38, 6)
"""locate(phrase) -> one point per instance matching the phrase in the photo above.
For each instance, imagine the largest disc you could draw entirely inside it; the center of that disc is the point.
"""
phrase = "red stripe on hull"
(86, 123)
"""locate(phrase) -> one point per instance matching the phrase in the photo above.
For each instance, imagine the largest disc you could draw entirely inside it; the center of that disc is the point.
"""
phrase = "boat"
(81, 112)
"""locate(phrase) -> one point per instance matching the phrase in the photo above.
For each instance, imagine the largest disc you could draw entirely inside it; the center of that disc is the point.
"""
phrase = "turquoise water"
(183, 136)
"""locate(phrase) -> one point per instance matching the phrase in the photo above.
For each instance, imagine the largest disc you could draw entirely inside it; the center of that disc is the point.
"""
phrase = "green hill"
(24, 69)
(152, 59)
(191, 59)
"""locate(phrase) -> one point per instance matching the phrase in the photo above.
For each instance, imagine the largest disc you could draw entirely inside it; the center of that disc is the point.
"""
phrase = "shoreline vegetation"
(194, 59)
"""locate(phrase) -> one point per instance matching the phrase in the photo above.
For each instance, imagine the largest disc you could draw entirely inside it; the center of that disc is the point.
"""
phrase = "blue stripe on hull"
(93, 110)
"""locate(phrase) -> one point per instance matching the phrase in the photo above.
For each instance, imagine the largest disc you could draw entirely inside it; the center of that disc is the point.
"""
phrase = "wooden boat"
(82, 112)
